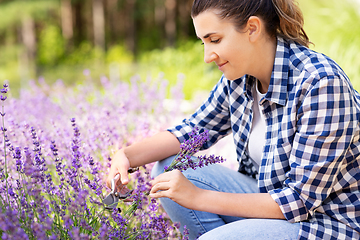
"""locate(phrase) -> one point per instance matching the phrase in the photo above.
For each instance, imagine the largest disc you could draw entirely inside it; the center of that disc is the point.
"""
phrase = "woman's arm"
(157, 147)
(246, 205)
(175, 186)
(213, 114)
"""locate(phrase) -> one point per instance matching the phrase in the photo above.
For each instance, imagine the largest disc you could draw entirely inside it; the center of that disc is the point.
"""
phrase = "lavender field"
(57, 143)
(58, 137)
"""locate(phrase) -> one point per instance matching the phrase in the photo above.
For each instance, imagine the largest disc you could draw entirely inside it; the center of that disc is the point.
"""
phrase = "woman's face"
(224, 45)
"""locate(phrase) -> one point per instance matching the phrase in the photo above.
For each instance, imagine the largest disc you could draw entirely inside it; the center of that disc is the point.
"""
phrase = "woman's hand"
(151, 149)
(119, 164)
(176, 186)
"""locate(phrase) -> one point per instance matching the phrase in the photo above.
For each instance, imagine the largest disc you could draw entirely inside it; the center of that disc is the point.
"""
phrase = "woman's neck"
(264, 63)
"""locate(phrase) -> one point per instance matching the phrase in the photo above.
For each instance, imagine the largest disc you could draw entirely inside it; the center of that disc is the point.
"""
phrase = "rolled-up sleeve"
(212, 115)
(326, 124)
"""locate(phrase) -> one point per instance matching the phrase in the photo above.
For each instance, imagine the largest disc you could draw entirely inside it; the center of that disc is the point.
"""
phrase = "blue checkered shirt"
(310, 161)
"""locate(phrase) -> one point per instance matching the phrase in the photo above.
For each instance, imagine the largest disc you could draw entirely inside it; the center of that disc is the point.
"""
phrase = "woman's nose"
(209, 56)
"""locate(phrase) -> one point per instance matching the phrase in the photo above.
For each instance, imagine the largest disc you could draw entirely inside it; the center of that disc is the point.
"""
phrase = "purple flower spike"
(188, 148)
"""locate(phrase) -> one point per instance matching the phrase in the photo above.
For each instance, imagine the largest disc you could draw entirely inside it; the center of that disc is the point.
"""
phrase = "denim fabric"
(255, 229)
(223, 179)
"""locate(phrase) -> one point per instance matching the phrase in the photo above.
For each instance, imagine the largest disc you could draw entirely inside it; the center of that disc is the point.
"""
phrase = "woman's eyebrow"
(207, 35)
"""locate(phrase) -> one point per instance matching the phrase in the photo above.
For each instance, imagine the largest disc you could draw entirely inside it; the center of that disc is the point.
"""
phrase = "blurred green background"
(78, 40)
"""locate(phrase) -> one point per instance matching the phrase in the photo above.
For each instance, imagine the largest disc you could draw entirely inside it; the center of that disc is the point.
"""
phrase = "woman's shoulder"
(314, 63)
(309, 67)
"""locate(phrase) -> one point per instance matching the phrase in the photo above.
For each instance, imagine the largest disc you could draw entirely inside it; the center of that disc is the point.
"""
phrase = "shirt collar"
(277, 91)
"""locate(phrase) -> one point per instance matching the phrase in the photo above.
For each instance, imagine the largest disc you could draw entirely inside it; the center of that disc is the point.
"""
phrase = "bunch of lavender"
(52, 168)
(184, 159)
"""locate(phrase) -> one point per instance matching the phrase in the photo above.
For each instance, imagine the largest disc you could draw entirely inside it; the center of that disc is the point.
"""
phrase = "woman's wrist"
(199, 199)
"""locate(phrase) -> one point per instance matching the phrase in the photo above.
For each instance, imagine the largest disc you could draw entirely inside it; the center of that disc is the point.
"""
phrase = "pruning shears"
(112, 199)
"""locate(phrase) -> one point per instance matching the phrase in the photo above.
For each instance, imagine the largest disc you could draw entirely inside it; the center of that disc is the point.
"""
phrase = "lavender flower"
(4, 91)
(11, 226)
(185, 233)
(184, 159)
(12, 193)
(17, 157)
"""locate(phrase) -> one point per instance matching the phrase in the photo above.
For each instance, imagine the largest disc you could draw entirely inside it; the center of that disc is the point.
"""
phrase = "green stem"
(6, 171)
(2, 202)
(95, 217)
(28, 199)
(177, 161)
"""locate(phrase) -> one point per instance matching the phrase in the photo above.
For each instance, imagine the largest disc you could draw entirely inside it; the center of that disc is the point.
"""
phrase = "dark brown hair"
(281, 17)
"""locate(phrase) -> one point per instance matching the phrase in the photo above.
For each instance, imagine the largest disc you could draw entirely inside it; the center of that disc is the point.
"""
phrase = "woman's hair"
(281, 17)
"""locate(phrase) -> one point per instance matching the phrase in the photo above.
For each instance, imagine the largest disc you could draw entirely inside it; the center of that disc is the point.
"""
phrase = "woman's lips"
(221, 66)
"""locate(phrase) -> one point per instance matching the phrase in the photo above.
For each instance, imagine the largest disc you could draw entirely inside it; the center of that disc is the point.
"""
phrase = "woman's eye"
(215, 41)
(212, 41)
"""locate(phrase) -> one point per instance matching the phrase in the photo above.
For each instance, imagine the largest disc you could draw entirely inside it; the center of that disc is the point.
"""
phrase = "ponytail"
(281, 17)
(291, 21)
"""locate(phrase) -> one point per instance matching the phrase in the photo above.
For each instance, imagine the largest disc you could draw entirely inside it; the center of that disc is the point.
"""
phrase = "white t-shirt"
(257, 133)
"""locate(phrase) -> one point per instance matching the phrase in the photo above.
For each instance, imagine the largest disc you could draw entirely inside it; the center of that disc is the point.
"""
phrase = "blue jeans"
(213, 226)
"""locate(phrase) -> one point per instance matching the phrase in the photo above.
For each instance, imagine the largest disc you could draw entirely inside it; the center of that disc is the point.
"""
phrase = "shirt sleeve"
(326, 124)
(213, 115)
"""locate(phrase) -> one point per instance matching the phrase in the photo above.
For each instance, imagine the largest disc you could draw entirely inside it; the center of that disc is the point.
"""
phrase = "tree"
(99, 23)
(170, 24)
(67, 21)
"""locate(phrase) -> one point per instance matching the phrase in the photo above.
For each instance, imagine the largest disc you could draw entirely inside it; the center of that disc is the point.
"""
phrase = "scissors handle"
(113, 197)
(113, 183)
(130, 170)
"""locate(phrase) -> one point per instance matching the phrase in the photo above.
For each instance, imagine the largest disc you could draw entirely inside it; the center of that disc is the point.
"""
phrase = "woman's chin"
(232, 77)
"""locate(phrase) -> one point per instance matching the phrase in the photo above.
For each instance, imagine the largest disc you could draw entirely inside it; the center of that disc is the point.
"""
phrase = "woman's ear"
(255, 27)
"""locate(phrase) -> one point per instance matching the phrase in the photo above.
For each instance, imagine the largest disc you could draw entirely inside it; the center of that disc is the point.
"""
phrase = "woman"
(294, 118)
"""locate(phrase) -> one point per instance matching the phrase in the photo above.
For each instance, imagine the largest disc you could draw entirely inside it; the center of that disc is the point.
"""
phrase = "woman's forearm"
(246, 205)
(155, 148)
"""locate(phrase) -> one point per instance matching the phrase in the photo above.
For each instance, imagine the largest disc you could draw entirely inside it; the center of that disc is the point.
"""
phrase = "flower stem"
(6, 170)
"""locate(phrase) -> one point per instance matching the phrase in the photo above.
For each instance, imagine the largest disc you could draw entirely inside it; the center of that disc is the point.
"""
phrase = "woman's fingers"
(164, 177)
(122, 166)
(175, 186)
(166, 184)
(161, 186)
(124, 176)
(110, 177)
(119, 165)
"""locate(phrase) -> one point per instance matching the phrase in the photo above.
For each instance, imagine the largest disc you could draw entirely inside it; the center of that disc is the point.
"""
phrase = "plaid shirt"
(310, 161)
